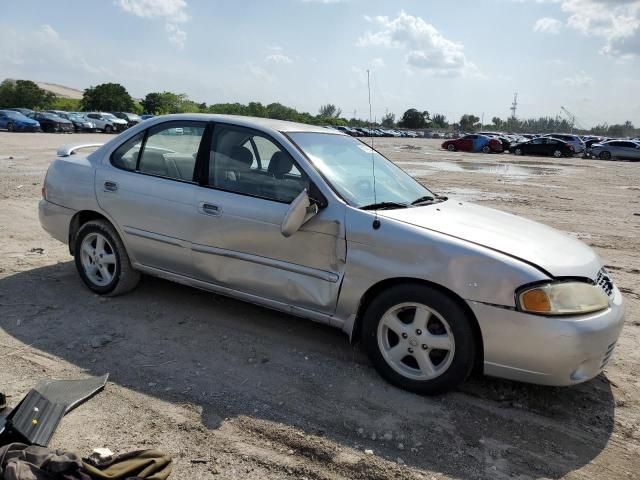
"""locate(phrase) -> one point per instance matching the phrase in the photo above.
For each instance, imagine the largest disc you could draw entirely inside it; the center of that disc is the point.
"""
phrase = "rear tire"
(419, 339)
(10, 127)
(486, 149)
(605, 155)
(557, 153)
(518, 151)
(102, 260)
(451, 147)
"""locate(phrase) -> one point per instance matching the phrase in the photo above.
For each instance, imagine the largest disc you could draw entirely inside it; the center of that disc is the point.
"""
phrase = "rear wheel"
(451, 147)
(419, 339)
(10, 127)
(557, 153)
(108, 129)
(605, 155)
(486, 149)
(518, 151)
(102, 260)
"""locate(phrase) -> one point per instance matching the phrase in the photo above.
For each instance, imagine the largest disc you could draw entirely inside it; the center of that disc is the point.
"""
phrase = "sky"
(448, 57)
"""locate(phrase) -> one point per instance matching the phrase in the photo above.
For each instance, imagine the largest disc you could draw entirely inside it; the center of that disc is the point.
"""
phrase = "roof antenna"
(376, 220)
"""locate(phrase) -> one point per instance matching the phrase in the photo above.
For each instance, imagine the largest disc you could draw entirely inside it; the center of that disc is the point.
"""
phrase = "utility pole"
(514, 105)
(482, 122)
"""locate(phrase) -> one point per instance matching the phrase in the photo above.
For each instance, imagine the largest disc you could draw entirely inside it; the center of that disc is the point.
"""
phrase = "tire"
(605, 155)
(446, 323)
(486, 149)
(108, 129)
(518, 151)
(557, 153)
(451, 147)
(119, 277)
(10, 127)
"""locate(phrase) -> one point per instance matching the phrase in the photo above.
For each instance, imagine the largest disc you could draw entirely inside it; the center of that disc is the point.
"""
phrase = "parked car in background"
(131, 118)
(623, 149)
(574, 140)
(146, 117)
(544, 146)
(474, 143)
(24, 111)
(52, 123)
(106, 122)
(285, 215)
(14, 121)
(80, 124)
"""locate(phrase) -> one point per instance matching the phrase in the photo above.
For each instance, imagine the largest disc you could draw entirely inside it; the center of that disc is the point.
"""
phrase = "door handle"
(110, 186)
(210, 209)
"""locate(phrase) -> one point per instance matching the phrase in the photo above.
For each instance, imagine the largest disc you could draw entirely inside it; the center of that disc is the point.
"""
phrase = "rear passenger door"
(148, 189)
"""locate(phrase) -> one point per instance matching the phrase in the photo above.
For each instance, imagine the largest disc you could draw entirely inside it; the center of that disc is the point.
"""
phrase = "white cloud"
(580, 79)
(172, 11)
(278, 58)
(547, 25)
(426, 48)
(377, 63)
(177, 36)
(45, 52)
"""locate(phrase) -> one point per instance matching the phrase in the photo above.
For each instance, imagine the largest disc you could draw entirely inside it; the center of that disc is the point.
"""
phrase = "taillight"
(44, 192)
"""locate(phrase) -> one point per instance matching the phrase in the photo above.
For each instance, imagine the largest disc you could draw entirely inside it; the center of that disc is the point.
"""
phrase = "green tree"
(161, 103)
(439, 121)
(469, 123)
(388, 120)
(329, 111)
(412, 118)
(108, 97)
(66, 104)
(24, 94)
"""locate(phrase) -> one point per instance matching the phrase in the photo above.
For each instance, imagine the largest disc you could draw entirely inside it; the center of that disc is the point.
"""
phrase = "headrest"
(280, 164)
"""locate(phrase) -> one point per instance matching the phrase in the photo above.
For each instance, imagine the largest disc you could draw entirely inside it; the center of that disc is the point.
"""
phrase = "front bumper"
(55, 220)
(544, 350)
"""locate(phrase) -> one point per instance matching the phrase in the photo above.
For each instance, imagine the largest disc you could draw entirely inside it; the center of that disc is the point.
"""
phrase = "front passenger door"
(237, 240)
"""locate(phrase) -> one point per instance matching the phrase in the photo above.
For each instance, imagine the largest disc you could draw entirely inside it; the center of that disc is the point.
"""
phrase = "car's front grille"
(604, 281)
(607, 355)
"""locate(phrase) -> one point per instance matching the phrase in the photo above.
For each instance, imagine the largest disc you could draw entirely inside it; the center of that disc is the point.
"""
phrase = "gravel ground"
(232, 390)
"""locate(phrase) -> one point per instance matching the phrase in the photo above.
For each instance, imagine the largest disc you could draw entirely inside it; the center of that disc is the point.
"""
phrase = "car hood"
(554, 252)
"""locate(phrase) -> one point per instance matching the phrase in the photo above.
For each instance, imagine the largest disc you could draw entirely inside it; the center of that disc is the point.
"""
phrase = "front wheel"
(557, 153)
(108, 129)
(605, 155)
(451, 147)
(10, 127)
(102, 260)
(419, 339)
(486, 149)
(518, 151)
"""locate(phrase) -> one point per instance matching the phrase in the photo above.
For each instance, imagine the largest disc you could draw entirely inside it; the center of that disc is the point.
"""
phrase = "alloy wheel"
(416, 341)
(98, 259)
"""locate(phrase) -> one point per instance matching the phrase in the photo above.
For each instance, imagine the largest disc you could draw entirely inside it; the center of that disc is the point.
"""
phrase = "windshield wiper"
(384, 206)
(429, 199)
(425, 199)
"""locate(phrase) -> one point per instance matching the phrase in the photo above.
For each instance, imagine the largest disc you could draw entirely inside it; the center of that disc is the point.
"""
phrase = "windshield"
(347, 164)
(14, 115)
(109, 116)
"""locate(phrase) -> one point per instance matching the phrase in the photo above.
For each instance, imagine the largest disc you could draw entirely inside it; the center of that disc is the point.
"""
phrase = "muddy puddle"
(505, 169)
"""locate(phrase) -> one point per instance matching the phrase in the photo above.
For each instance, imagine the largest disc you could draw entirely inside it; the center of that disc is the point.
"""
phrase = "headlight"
(566, 298)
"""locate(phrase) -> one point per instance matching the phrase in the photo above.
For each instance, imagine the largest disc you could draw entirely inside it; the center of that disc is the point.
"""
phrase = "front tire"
(486, 149)
(102, 260)
(605, 155)
(108, 129)
(10, 127)
(557, 153)
(518, 151)
(451, 147)
(419, 339)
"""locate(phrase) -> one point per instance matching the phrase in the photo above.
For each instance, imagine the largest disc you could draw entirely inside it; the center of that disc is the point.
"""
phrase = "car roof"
(249, 122)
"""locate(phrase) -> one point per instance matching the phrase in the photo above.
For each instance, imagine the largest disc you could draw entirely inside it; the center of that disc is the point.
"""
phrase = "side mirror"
(300, 211)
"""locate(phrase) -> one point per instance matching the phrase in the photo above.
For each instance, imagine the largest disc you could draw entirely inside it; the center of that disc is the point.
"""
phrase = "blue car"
(17, 122)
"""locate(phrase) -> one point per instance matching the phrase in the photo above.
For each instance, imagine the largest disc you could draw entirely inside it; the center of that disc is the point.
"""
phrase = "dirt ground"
(232, 390)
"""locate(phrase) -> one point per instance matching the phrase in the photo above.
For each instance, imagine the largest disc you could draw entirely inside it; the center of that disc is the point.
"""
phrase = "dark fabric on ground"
(147, 464)
(23, 462)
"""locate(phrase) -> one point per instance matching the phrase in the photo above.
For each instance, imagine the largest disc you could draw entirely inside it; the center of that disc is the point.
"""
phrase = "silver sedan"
(317, 224)
(623, 149)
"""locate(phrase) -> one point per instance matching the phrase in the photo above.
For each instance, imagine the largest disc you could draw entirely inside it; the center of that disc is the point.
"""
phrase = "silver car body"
(625, 149)
(329, 268)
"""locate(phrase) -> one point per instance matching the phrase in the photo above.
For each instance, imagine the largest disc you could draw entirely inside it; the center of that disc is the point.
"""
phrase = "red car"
(474, 143)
